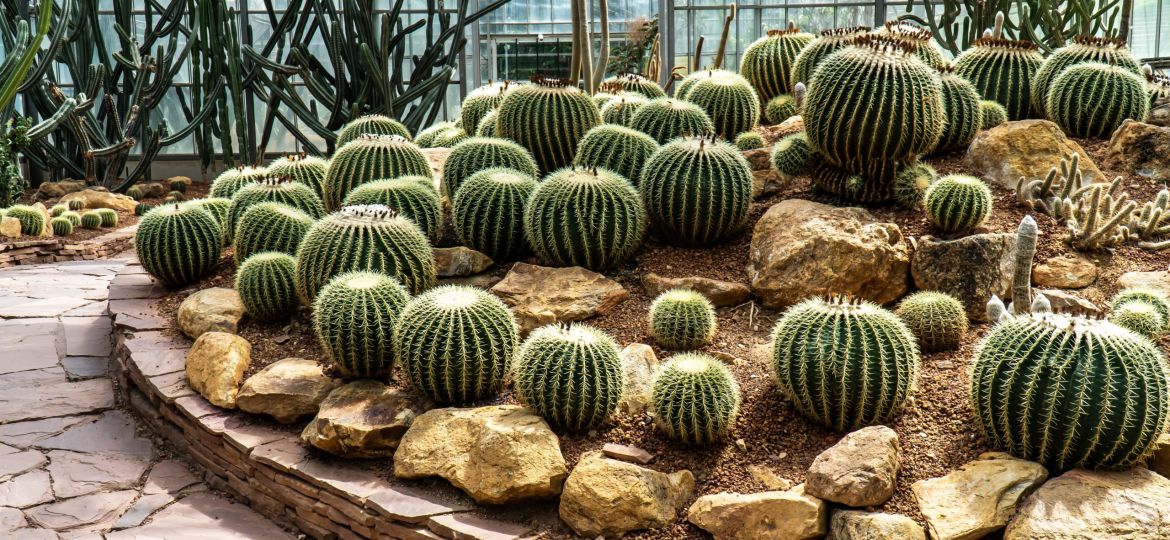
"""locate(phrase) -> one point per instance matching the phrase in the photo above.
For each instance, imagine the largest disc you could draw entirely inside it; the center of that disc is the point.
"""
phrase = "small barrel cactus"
(174, 196)
(780, 108)
(270, 226)
(456, 343)
(441, 135)
(729, 100)
(487, 125)
(549, 118)
(32, 220)
(1003, 71)
(57, 210)
(911, 182)
(480, 102)
(957, 203)
(844, 364)
(767, 62)
(489, 215)
(791, 155)
(232, 180)
(1082, 49)
(354, 318)
(666, 119)
(61, 226)
(1150, 297)
(286, 192)
(178, 244)
(75, 218)
(571, 375)
(992, 114)
(1093, 99)
(590, 218)
(479, 153)
(749, 140)
(134, 192)
(76, 205)
(826, 43)
(695, 399)
(266, 282)
(108, 216)
(178, 185)
(637, 84)
(1069, 392)
(964, 118)
(305, 169)
(369, 158)
(413, 197)
(371, 124)
(373, 238)
(91, 220)
(621, 109)
(697, 191)
(1139, 317)
(937, 319)
(682, 319)
(620, 149)
(141, 209)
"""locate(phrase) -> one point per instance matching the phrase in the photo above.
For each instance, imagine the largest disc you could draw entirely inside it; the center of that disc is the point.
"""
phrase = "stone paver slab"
(169, 476)
(62, 398)
(76, 473)
(24, 434)
(201, 517)
(42, 307)
(18, 462)
(471, 527)
(11, 518)
(85, 367)
(95, 509)
(114, 433)
(20, 351)
(142, 509)
(87, 336)
(26, 490)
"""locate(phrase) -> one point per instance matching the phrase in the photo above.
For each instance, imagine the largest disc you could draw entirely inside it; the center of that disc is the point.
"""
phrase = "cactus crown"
(1098, 41)
(905, 30)
(552, 82)
(886, 45)
(845, 32)
(1004, 43)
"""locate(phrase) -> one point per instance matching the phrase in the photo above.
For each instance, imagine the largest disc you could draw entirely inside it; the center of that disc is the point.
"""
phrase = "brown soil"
(938, 432)
(125, 219)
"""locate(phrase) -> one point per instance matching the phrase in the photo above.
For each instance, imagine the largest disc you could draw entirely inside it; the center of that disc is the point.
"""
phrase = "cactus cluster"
(479, 153)
(571, 375)
(108, 216)
(1108, 51)
(920, 39)
(621, 109)
(178, 244)
(294, 194)
(826, 43)
(61, 226)
(957, 203)
(308, 170)
(780, 108)
(1092, 99)
(682, 319)
(232, 180)
(749, 140)
(911, 182)
(991, 114)
(697, 191)
(845, 364)
(964, 118)
(1003, 71)
(270, 226)
(666, 119)
(455, 343)
(582, 217)
(488, 214)
(32, 220)
(1069, 392)
(1143, 300)
(549, 118)
(266, 282)
(91, 220)
(371, 124)
(440, 135)
(369, 158)
(637, 84)
(767, 63)
(354, 318)
(695, 399)
(936, 319)
(413, 197)
(480, 102)
(791, 154)
(729, 100)
(620, 149)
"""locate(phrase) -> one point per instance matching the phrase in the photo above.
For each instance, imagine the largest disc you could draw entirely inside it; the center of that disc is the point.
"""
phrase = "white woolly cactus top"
(361, 280)
(681, 295)
(454, 297)
(582, 334)
(382, 138)
(367, 213)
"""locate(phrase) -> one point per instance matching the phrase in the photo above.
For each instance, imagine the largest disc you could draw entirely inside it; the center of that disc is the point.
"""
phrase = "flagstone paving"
(72, 464)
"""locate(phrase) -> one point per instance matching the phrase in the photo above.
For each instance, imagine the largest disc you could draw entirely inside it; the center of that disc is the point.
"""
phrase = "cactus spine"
(76, 205)
(682, 319)
(549, 118)
(911, 183)
(140, 209)
(371, 124)
(1093, 99)
(489, 215)
(479, 153)
(957, 203)
(57, 210)
(307, 170)
(826, 43)
(1003, 71)
(936, 319)
(75, 218)
(134, 192)
(767, 62)
(61, 226)
(178, 244)
(413, 197)
(1083, 49)
(232, 180)
(697, 191)
(441, 135)
(619, 149)
(266, 282)
(354, 318)
(1138, 317)
(963, 115)
(666, 119)
(369, 158)
(695, 399)
(270, 226)
(729, 100)
(570, 375)
(487, 124)
(590, 218)
(920, 39)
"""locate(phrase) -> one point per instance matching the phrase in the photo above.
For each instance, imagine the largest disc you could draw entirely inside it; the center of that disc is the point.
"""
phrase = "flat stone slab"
(23, 351)
(85, 367)
(142, 509)
(87, 336)
(113, 432)
(76, 473)
(18, 462)
(60, 398)
(42, 307)
(168, 477)
(201, 517)
(24, 434)
(26, 490)
(79, 511)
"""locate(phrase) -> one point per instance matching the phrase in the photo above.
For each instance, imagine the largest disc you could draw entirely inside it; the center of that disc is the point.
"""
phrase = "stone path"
(72, 465)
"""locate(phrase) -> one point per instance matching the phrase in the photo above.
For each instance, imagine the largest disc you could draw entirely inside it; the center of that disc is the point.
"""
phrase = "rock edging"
(29, 250)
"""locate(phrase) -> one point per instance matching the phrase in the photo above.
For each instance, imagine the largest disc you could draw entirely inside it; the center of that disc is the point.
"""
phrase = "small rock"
(640, 364)
(540, 295)
(632, 454)
(1140, 148)
(606, 497)
(211, 310)
(1068, 271)
(857, 525)
(767, 181)
(741, 444)
(860, 470)
(1157, 280)
(720, 293)
(53, 190)
(771, 134)
(460, 261)
(9, 227)
(215, 367)
(153, 190)
(971, 268)
(498, 454)
(1066, 302)
(771, 515)
(1027, 148)
(93, 198)
(977, 499)
(1159, 460)
(1122, 505)
(363, 419)
(769, 478)
(286, 390)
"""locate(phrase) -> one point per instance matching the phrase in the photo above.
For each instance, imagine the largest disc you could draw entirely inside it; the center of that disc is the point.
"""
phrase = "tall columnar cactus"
(682, 319)
(286, 192)
(549, 118)
(369, 158)
(489, 215)
(61, 226)
(371, 124)
(936, 319)
(697, 191)
(308, 170)
(440, 135)
(1139, 295)
(590, 218)
(666, 119)
(373, 238)
(621, 109)
(620, 149)
(32, 221)
(826, 43)
(911, 183)
(1070, 392)
(571, 375)
(178, 244)
(845, 364)
(456, 343)
(921, 39)
(632, 82)
(270, 226)
(413, 197)
(964, 118)
(1092, 99)
(791, 155)
(780, 108)
(695, 399)
(730, 102)
(767, 62)
(108, 216)
(1083, 49)
(991, 114)
(354, 318)
(480, 102)
(91, 220)
(957, 203)
(479, 153)
(232, 180)
(1003, 71)
(266, 282)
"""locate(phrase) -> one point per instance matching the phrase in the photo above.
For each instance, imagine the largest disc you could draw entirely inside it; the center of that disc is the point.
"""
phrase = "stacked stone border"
(45, 250)
(266, 467)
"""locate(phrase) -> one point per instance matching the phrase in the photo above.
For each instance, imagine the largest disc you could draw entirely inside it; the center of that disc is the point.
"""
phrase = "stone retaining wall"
(45, 250)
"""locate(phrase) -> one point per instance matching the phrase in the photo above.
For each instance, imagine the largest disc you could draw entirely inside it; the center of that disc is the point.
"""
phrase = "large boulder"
(979, 498)
(363, 419)
(720, 293)
(101, 198)
(857, 525)
(1159, 460)
(215, 367)
(771, 515)
(9, 227)
(606, 497)
(286, 390)
(639, 364)
(801, 248)
(1068, 271)
(1024, 148)
(860, 470)
(1159, 280)
(216, 309)
(498, 454)
(540, 295)
(971, 268)
(53, 190)
(1080, 504)
(1141, 149)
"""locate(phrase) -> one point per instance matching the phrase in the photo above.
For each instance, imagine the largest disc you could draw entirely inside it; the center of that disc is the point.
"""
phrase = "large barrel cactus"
(964, 117)
(666, 119)
(267, 285)
(480, 102)
(371, 124)
(697, 191)
(632, 82)
(455, 343)
(369, 158)
(32, 220)
(270, 226)
(178, 244)
(354, 318)
(549, 118)
(957, 203)
(827, 42)
(479, 153)
(590, 218)
(921, 39)
(1004, 71)
(232, 180)
(620, 149)
(571, 375)
(489, 215)
(308, 170)
(767, 62)
(413, 197)
(286, 192)
(730, 102)
(1070, 392)
(844, 364)
(682, 319)
(695, 399)
(1083, 49)
(1092, 99)
(620, 110)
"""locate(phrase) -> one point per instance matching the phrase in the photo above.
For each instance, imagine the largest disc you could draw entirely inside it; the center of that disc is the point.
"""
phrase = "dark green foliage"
(372, 124)
(32, 221)
(354, 318)
(1003, 71)
(231, 180)
(489, 213)
(695, 399)
(549, 118)
(1092, 99)
(75, 218)
(749, 140)
(920, 39)
(369, 158)
(621, 109)
(791, 155)
(993, 114)
(294, 194)
(666, 119)
(479, 153)
(632, 82)
(308, 170)
(108, 216)
(911, 182)
(589, 218)
(135, 193)
(571, 375)
(61, 226)
(1083, 49)
(178, 244)
(767, 62)
(480, 102)
(963, 115)
(270, 226)
(682, 319)
(266, 282)
(780, 108)
(413, 197)
(729, 100)
(826, 43)
(456, 343)
(957, 203)
(91, 220)
(619, 149)
(936, 319)
(697, 191)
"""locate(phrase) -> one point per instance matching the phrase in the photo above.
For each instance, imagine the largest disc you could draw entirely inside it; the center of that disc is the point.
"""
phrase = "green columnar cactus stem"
(632, 82)
(621, 109)
(911, 183)
(108, 216)
(373, 238)
(620, 149)
(294, 194)
(479, 153)
(991, 114)
(61, 226)
(1150, 297)
(75, 218)
(354, 318)
(271, 227)
(134, 192)
(957, 203)
(697, 191)
(1003, 71)
(749, 140)
(57, 210)
(178, 244)
(456, 343)
(91, 220)
(76, 205)
(371, 124)
(826, 43)
(1092, 99)
(230, 181)
(489, 215)
(1070, 392)
(480, 102)
(767, 62)
(32, 221)
(589, 218)
(1026, 236)
(920, 38)
(1083, 49)
(936, 319)
(308, 170)
(369, 158)
(413, 197)
(666, 119)
(549, 118)
(844, 364)
(571, 375)
(729, 100)
(791, 155)
(682, 319)
(1139, 317)
(695, 399)
(963, 115)
(487, 124)
(266, 282)
(780, 108)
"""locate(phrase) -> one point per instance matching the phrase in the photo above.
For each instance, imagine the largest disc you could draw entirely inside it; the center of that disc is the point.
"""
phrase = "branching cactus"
(1093, 99)
(571, 375)
(1050, 194)
(479, 153)
(489, 213)
(277, 190)
(308, 170)
(957, 203)
(354, 318)
(232, 180)
(178, 244)
(1097, 219)
(682, 319)
(936, 319)
(369, 158)
(1083, 49)
(826, 43)
(591, 218)
(413, 197)
(1151, 222)
(266, 282)
(695, 399)
(964, 117)
(371, 124)
(270, 226)
(666, 119)
(729, 100)
(767, 62)
(617, 148)
(548, 117)
(620, 110)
